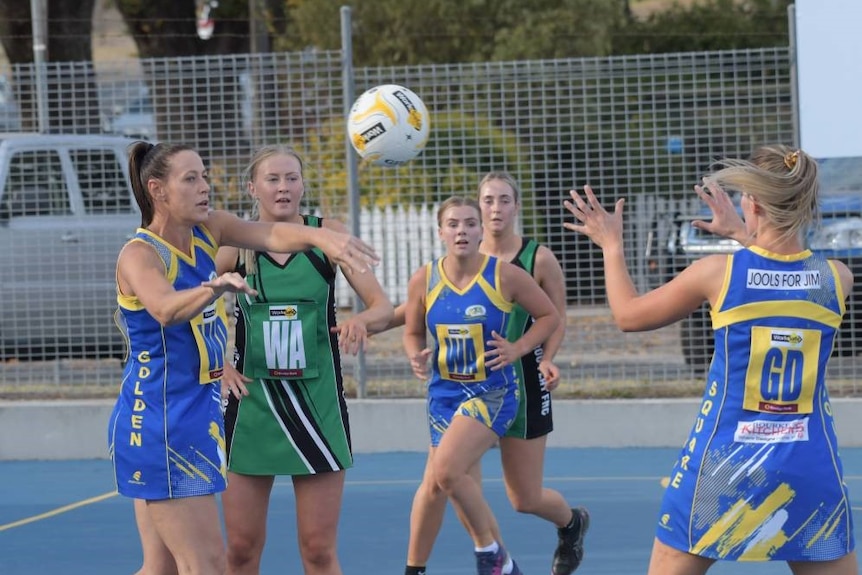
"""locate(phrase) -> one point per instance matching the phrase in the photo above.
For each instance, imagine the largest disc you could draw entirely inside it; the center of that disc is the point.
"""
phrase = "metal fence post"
(352, 169)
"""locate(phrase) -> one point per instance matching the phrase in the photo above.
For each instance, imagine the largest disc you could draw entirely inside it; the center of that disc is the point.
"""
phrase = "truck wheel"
(697, 339)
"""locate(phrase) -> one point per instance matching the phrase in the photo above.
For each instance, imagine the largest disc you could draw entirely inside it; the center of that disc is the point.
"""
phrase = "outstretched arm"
(661, 306)
(141, 273)
(347, 251)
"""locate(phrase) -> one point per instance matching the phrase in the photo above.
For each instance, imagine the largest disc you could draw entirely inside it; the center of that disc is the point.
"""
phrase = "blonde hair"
(504, 177)
(782, 180)
(456, 202)
(246, 256)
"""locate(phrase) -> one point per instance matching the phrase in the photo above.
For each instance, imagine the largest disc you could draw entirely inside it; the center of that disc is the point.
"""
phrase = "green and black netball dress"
(534, 418)
(294, 420)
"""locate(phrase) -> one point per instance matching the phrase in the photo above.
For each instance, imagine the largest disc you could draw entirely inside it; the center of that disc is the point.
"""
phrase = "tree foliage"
(69, 32)
(401, 32)
(705, 26)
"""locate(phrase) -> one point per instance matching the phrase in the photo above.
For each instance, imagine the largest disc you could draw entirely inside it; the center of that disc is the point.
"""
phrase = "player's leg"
(157, 557)
(318, 506)
(426, 518)
(523, 469)
(665, 560)
(245, 504)
(461, 447)
(847, 565)
(191, 530)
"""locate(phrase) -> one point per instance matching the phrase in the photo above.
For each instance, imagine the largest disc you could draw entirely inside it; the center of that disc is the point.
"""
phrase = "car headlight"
(841, 234)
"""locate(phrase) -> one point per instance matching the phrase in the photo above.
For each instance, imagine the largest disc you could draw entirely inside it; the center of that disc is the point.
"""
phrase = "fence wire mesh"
(643, 127)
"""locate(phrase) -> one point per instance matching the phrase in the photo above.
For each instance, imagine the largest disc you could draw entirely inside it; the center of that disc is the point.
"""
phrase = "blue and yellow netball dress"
(166, 434)
(460, 322)
(760, 477)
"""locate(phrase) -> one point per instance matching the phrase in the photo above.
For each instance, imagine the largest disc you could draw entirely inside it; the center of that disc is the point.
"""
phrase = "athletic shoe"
(490, 562)
(515, 569)
(570, 549)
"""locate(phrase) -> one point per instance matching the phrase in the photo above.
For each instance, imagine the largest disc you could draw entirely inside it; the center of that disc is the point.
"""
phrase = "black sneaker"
(570, 549)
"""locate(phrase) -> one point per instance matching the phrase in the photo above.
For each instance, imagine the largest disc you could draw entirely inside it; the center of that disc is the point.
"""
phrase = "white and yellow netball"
(388, 125)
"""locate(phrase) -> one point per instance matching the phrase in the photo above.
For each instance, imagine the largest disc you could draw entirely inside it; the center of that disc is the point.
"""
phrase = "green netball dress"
(294, 420)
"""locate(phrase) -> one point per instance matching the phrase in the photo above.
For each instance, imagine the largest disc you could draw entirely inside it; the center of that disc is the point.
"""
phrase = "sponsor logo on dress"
(786, 339)
(283, 312)
(136, 479)
(475, 311)
(765, 431)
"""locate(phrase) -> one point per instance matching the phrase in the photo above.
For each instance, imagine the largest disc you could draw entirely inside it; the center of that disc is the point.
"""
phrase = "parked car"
(66, 209)
(136, 120)
(839, 236)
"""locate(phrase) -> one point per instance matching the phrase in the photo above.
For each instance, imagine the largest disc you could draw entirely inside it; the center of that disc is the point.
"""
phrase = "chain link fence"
(643, 127)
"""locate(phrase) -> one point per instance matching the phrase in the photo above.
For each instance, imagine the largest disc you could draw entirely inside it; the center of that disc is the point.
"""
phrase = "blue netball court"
(63, 517)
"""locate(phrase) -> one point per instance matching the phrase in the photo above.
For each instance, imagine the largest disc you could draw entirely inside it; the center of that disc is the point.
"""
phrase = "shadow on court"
(62, 517)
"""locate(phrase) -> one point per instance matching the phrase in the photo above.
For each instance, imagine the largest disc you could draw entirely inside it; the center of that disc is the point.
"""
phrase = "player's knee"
(211, 560)
(243, 552)
(446, 480)
(318, 553)
(431, 489)
(525, 502)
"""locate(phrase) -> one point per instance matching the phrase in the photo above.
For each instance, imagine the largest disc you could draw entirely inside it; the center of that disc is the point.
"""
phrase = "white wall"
(78, 429)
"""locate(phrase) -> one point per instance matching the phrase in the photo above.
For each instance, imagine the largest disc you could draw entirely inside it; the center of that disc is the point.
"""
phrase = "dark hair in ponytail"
(148, 161)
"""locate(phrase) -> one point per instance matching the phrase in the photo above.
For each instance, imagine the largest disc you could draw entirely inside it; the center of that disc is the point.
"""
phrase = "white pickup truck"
(66, 208)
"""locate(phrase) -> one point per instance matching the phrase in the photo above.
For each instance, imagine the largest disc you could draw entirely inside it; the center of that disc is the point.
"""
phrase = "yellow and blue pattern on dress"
(166, 433)
(760, 477)
(461, 322)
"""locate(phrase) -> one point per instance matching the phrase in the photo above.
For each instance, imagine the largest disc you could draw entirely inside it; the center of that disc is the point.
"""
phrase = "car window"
(103, 185)
(141, 106)
(840, 174)
(36, 185)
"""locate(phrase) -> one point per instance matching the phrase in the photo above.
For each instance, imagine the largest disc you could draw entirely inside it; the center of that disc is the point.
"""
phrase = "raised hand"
(605, 229)
(726, 221)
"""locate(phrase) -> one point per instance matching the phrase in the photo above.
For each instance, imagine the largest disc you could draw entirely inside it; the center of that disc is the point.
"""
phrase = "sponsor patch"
(283, 312)
(765, 431)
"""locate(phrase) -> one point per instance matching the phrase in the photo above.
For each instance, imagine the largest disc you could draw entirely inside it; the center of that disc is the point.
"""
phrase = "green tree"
(706, 25)
(69, 31)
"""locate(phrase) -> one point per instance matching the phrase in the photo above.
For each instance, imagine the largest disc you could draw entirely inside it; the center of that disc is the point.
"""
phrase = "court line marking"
(361, 482)
(284, 481)
(58, 510)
